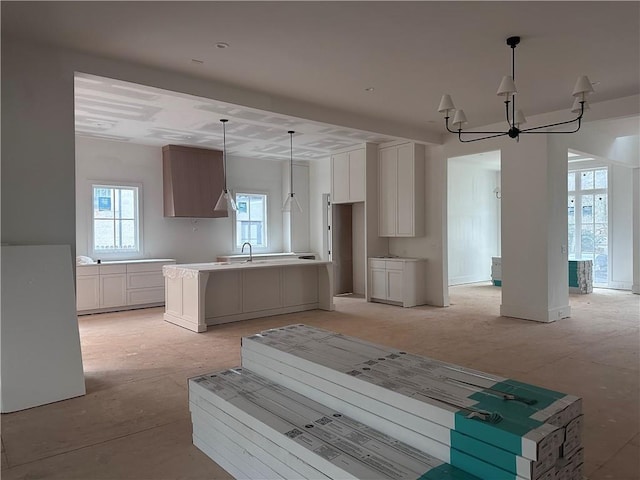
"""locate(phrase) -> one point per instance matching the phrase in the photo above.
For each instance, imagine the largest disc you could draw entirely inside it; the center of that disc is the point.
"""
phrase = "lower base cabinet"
(398, 281)
(119, 285)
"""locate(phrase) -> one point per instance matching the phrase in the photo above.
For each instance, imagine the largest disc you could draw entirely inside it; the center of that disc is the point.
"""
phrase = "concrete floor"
(134, 421)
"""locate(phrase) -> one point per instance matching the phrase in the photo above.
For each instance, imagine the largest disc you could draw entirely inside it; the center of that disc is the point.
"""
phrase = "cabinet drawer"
(145, 280)
(109, 269)
(145, 295)
(82, 271)
(146, 267)
(377, 263)
(394, 264)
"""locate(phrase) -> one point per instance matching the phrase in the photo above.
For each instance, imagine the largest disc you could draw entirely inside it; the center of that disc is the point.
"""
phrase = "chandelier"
(515, 117)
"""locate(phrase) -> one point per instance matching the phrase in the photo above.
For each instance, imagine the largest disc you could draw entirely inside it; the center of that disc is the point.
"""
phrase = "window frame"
(117, 253)
(251, 191)
(577, 193)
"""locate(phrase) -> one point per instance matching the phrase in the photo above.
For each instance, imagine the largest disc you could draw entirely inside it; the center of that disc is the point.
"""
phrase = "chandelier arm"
(460, 133)
(468, 133)
(577, 119)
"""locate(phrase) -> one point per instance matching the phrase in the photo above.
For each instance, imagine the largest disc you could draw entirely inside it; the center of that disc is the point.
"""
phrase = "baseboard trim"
(534, 314)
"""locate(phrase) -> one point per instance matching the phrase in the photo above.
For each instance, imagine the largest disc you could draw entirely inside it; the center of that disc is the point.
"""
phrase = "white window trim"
(250, 191)
(592, 166)
(102, 255)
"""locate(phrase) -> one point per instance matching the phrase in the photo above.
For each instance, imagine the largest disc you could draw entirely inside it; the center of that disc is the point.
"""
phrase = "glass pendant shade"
(582, 88)
(225, 202)
(291, 203)
(459, 118)
(446, 105)
(507, 86)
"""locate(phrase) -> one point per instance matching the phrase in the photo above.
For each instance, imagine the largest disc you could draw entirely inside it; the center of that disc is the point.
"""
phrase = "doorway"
(473, 216)
(347, 254)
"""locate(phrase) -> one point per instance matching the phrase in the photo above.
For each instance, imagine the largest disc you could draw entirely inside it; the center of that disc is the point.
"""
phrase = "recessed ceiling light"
(195, 60)
(222, 45)
(369, 89)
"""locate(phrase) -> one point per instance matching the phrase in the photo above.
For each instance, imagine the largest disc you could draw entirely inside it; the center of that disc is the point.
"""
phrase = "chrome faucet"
(250, 251)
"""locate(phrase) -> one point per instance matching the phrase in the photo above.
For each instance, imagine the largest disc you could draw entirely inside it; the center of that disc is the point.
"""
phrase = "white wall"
(636, 231)
(185, 239)
(473, 221)
(319, 183)
(621, 227)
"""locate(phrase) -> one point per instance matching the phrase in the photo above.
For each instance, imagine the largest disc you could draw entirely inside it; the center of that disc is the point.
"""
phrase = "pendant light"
(291, 198)
(226, 201)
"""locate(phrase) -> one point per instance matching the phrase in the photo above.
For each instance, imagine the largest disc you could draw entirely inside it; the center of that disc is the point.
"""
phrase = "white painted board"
(41, 360)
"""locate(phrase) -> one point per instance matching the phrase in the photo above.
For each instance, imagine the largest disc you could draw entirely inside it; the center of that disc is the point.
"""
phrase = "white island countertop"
(194, 268)
(204, 294)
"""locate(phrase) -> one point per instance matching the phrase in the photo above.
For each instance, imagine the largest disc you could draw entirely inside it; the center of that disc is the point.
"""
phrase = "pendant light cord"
(224, 151)
(291, 132)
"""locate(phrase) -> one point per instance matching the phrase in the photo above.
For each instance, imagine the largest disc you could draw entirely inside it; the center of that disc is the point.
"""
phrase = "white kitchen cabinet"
(401, 174)
(119, 285)
(113, 290)
(348, 176)
(88, 288)
(399, 281)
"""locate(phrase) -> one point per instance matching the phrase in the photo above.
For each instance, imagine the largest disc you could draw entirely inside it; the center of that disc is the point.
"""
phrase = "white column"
(534, 230)
(636, 231)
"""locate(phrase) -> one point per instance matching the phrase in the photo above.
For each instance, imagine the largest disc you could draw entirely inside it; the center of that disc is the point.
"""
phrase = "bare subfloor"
(134, 421)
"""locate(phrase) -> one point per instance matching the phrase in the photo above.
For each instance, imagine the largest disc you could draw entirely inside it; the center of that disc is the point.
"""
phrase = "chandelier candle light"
(225, 201)
(291, 198)
(507, 89)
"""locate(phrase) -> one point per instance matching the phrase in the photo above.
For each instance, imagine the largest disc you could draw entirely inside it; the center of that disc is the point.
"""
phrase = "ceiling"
(115, 110)
(327, 53)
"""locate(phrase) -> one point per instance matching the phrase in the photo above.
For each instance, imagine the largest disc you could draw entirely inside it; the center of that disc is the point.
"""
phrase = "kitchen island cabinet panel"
(300, 286)
(203, 294)
(264, 289)
(224, 294)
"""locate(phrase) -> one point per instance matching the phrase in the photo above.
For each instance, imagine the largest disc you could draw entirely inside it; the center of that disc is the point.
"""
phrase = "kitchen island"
(201, 294)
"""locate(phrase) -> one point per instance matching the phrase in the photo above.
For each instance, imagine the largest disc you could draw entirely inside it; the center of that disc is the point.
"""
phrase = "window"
(589, 220)
(251, 219)
(115, 219)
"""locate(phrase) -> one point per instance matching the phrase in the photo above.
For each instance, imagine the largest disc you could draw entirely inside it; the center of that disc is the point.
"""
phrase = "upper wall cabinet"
(401, 179)
(193, 179)
(348, 176)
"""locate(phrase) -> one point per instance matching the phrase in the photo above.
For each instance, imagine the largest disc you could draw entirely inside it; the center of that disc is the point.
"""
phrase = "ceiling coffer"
(193, 179)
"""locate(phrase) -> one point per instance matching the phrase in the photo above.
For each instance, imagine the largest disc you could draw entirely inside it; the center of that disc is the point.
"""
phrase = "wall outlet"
(563, 248)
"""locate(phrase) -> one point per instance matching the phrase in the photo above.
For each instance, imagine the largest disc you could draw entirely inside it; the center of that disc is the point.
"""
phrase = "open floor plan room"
(134, 422)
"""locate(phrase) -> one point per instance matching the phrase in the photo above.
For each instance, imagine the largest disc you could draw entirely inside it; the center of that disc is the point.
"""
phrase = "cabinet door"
(394, 285)
(388, 181)
(379, 283)
(263, 289)
(87, 292)
(224, 293)
(113, 290)
(356, 175)
(405, 226)
(340, 178)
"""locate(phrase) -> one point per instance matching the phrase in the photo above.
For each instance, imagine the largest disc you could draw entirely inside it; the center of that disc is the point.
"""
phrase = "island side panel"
(184, 304)
(325, 287)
